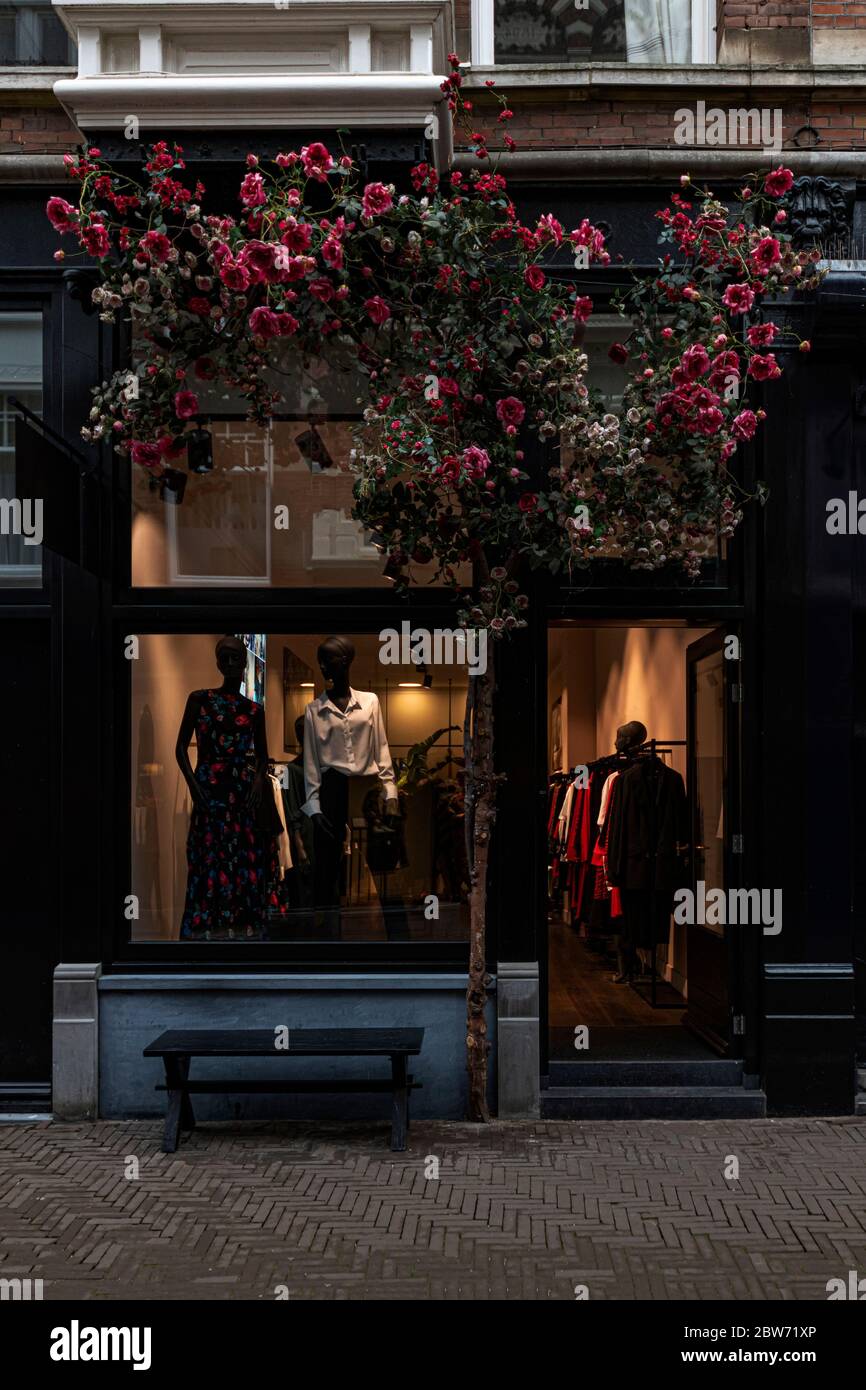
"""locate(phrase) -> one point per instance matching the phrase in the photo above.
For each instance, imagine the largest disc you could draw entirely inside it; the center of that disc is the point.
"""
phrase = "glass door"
(713, 741)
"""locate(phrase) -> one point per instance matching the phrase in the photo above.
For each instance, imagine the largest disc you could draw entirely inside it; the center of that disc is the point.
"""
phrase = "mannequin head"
(629, 736)
(231, 658)
(335, 657)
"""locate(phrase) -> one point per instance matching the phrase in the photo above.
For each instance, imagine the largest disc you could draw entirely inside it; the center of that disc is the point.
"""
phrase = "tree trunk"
(481, 784)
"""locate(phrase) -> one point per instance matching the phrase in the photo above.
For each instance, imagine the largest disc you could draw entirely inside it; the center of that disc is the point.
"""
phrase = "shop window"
(32, 35)
(20, 379)
(387, 772)
(526, 32)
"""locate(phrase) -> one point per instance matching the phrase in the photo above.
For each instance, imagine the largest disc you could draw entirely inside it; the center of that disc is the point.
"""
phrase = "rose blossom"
(534, 277)
(778, 182)
(235, 276)
(377, 309)
(510, 411)
(200, 306)
(618, 353)
(695, 361)
(745, 424)
(156, 245)
(766, 254)
(582, 308)
(204, 368)
(376, 201)
(253, 193)
(62, 215)
(147, 455)
(94, 239)
(264, 323)
(316, 161)
(761, 334)
(764, 368)
(332, 253)
(185, 405)
(476, 461)
(528, 502)
(738, 298)
(297, 236)
(321, 289)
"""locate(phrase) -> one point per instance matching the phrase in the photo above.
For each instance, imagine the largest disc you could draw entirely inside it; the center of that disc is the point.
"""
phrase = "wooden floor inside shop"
(623, 1025)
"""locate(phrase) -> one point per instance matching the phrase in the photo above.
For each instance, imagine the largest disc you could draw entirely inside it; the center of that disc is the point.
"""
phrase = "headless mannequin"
(227, 857)
(629, 738)
(231, 660)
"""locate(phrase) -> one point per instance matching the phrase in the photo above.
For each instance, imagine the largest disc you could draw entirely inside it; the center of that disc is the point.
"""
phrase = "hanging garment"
(352, 741)
(648, 828)
(228, 859)
(658, 31)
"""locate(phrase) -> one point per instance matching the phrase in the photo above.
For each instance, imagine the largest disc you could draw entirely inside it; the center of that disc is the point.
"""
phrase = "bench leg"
(179, 1113)
(400, 1108)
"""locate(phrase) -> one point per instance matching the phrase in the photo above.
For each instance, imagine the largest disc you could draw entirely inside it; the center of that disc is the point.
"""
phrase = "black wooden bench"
(177, 1047)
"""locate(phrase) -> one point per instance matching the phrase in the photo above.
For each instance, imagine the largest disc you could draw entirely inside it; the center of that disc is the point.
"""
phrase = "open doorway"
(638, 754)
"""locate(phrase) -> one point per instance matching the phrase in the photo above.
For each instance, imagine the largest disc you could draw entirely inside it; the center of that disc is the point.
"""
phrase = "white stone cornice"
(235, 64)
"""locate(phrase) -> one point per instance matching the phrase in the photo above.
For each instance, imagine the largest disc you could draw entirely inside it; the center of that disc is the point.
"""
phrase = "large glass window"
(383, 765)
(20, 517)
(561, 31)
(32, 35)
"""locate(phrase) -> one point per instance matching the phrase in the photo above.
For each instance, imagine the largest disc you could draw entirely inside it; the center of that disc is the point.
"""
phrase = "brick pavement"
(519, 1211)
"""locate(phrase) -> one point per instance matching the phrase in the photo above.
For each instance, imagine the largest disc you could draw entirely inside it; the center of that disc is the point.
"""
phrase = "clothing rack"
(651, 747)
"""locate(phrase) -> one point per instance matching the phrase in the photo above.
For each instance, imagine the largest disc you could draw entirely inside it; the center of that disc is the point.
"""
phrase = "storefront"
(116, 638)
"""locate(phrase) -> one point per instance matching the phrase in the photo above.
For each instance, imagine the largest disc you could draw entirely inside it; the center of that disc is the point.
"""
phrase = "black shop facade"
(742, 686)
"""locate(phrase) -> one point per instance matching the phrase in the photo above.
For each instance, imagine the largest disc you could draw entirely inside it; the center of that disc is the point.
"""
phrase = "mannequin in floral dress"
(227, 854)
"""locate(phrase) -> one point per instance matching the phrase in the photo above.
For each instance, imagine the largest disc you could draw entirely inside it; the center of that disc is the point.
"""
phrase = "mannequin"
(226, 852)
(629, 737)
(647, 838)
(344, 736)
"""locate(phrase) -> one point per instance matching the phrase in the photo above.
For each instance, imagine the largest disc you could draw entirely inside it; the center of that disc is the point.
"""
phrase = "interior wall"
(571, 680)
(640, 673)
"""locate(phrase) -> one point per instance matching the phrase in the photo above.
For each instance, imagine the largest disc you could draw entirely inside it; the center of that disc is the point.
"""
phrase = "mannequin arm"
(181, 753)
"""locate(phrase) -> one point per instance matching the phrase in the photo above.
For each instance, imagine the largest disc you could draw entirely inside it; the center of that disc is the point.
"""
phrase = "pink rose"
(778, 182)
(738, 298)
(695, 361)
(287, 325)
(62, 215)
(476, 461)
(235, 276)
(377, 309)
(332, 253)
(582, 308)
(618, 353)
(185, 405)
(146, 455)
(761, 334)
(264, 323)
(376, 201)
(534, 277)
(95, 240)
(297, 236)
(253, 193)
(317, 161)
(322, 290)
(258, 258)
(764, 368)
(510, 411)
(199, 305)
(745, 424)
(765, 255)
(156, 245)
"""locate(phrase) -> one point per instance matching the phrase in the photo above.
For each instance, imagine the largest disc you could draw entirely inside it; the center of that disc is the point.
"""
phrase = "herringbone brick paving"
(519, 1211)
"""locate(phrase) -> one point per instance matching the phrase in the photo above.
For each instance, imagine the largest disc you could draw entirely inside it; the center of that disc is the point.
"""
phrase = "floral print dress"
(227, 856)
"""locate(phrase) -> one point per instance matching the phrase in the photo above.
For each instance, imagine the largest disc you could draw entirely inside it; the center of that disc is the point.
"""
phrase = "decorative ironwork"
(820, 208)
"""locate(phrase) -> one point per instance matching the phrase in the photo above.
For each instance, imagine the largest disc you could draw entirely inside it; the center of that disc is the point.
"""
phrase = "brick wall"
(839, 14)
(37, 128)
(762, 14)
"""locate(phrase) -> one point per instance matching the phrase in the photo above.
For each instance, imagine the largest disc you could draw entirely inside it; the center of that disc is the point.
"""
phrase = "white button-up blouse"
(353, 742)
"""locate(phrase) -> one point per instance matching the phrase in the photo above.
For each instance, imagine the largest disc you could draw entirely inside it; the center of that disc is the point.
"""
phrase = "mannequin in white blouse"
(355, 744)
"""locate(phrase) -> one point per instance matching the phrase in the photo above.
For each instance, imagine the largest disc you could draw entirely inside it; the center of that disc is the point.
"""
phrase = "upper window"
(20, 517)
(31, 35)
(620, 31)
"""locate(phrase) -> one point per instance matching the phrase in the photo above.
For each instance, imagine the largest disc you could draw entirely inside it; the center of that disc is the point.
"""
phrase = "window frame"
(484, 32)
